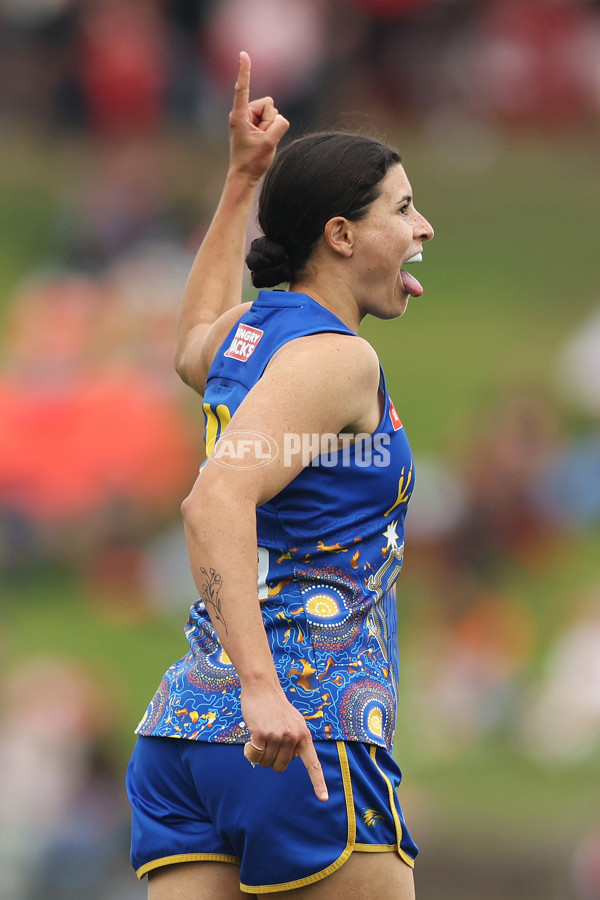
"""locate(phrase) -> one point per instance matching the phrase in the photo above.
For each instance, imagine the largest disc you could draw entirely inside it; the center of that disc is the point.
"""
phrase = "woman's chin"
(402, 304)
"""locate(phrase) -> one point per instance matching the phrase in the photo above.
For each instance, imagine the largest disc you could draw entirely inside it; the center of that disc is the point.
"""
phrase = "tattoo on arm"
(210, 595)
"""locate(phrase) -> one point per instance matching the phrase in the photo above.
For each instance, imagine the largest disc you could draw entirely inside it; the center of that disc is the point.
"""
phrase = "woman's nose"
(424, 230)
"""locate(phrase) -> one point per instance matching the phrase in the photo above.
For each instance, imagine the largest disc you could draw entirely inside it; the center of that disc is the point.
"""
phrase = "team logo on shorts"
(244, 343)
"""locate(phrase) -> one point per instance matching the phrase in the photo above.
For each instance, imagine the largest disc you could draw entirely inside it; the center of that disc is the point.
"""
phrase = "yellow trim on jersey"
(185, 857)
(392, 795)
(350, 843)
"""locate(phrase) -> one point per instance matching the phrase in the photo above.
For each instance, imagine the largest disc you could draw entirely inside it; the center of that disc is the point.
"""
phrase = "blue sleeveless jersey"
(330, 547)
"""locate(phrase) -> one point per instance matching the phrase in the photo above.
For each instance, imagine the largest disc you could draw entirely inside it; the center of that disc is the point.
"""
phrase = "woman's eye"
(404, 209)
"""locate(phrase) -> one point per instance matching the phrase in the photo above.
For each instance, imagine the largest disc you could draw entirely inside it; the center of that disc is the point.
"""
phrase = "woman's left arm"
(215, 281)
(316, 384)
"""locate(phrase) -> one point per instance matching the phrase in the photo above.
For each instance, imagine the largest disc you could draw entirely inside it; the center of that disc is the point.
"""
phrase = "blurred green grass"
(512, 269)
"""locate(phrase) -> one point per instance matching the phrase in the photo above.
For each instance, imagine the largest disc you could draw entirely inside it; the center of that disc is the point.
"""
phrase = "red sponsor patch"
(396, 423)
(244, 343)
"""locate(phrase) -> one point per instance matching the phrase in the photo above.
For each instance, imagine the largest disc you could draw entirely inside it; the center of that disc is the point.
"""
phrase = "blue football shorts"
(194, 801)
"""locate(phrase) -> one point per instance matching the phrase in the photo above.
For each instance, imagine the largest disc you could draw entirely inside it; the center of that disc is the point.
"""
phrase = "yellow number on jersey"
(216, 422)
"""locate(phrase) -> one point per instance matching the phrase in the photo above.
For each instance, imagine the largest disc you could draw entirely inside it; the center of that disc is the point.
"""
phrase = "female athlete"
(282, 781)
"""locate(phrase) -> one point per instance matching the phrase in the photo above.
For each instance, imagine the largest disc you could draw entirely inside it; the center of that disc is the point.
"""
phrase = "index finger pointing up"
(242, 85)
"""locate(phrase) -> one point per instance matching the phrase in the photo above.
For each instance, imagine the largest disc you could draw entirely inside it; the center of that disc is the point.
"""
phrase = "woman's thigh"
(196, 881)
(363, 876)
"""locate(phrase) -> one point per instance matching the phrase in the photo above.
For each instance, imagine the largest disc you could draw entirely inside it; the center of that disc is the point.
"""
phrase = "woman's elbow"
(180, 364)
(201, 504)
(190, 359)
(192, 513)
(205, 506)
(187, 509)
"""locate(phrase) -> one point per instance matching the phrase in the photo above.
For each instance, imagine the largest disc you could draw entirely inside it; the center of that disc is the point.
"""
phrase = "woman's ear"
(339, 235)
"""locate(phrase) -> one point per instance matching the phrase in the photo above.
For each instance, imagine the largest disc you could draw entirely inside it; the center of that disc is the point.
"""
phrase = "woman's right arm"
(318, 384)
(214, 285)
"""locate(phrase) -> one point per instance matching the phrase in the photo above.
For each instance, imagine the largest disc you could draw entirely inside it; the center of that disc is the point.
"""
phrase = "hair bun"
(269, 263)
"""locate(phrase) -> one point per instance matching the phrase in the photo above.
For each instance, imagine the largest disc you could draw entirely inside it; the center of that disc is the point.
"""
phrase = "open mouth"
(409, 282)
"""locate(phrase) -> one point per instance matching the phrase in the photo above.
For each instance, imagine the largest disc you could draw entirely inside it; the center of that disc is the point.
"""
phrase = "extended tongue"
(410, 283)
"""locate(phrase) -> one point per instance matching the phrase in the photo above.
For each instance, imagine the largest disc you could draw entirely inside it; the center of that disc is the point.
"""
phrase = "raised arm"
(215, 281)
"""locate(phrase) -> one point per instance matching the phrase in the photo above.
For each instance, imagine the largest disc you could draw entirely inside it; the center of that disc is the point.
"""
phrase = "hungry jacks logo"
(244, 343)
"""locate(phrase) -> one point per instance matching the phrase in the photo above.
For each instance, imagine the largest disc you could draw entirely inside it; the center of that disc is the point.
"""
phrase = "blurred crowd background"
(113, 117)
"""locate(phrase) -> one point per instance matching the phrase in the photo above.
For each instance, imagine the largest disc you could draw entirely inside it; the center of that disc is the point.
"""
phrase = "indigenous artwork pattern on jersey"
(325, 581)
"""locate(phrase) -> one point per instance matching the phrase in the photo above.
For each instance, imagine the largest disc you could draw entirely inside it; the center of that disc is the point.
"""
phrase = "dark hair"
(313, 179)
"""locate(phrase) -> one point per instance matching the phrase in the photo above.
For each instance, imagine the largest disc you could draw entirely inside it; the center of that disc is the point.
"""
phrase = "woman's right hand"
(255, 127)
(279, 730)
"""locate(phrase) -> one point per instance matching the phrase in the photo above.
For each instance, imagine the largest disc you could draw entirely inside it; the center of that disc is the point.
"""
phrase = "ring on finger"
(253, 753)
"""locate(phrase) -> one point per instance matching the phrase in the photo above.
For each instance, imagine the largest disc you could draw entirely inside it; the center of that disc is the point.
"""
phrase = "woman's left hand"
(255, 127)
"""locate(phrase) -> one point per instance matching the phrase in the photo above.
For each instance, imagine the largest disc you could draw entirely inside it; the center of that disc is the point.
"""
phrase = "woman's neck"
(334, 295)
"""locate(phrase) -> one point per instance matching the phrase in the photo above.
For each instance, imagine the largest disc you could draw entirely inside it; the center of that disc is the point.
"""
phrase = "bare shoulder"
(335, 377)
(196, 351)
(209, 343)
(219, 331)
(345, 357)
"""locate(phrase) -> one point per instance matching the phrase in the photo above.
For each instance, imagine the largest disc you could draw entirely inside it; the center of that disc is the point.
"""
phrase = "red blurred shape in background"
(123, 65)
(72, 450)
